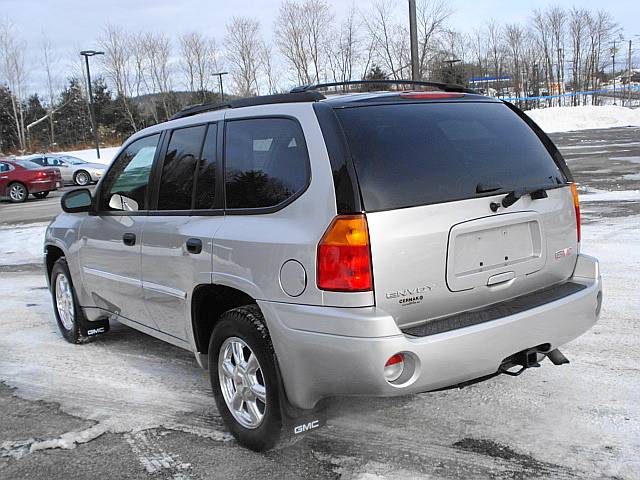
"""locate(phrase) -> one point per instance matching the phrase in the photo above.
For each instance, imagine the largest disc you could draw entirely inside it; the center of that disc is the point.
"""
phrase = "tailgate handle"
(500, 278)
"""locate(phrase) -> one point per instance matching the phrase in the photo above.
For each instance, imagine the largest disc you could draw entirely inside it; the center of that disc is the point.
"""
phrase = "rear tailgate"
(438, 260)
(428, 174)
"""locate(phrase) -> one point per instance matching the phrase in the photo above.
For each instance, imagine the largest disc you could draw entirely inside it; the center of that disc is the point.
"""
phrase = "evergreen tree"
(73, 123)
(38, 135)
(8, 135)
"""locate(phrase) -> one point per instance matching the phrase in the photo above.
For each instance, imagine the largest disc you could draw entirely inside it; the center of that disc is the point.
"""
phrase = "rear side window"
(178, 169)
(266, 162)
(419, 154)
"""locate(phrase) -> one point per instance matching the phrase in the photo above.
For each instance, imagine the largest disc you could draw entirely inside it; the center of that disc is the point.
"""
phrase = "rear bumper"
(325, 351)
(37, 186)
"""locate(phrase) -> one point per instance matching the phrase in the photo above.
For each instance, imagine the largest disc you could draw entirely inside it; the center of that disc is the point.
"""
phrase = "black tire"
(247, 323)
(41, 194)
(17, 192)
(82, 178)
(71, 332)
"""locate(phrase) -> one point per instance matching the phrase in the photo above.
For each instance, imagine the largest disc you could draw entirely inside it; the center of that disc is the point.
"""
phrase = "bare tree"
(514, 36)
(301, 32)
(388, 40)
(116, 62)
(50, 58)
(243, 46)
(343, 52)
(271, 74)
(431, 16)
(198, 62)
(578, 25)
(158, 53)
(12, 68)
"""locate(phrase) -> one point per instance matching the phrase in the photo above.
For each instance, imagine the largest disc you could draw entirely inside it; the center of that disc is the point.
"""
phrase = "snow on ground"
(106, 154)
(565, 119)
(21, 244)
(588, 194)
(584, 416)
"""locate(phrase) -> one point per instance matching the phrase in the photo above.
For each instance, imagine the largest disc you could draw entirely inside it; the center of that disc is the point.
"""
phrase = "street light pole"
(613, 56)
(413, 34)
(94, 123)
(219, 75)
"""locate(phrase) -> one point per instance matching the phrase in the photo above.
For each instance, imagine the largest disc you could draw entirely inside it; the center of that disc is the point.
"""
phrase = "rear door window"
(178, 170)
(266, 162)
(417, 154)
(206, 171)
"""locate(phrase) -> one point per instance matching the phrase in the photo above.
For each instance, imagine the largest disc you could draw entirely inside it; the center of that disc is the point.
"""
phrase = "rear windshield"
(28, 164)
(418, 154)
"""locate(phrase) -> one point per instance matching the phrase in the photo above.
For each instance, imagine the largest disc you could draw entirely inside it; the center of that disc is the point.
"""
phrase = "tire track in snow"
(153, 457)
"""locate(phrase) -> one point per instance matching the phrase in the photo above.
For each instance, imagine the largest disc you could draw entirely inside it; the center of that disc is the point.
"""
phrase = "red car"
(19, 178)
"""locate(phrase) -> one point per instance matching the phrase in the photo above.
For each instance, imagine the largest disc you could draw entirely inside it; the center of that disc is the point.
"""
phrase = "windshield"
(71, 160)
(417, 154)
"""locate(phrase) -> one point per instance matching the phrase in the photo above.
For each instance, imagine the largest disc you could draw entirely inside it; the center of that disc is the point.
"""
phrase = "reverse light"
(394, 367)
(576, 206)
(344, 256)
(430, 95)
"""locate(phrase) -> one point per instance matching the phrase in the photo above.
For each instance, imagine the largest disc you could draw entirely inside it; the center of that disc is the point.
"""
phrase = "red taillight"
(344, 256)
(430, 95)
(576, 205)
(42, 174)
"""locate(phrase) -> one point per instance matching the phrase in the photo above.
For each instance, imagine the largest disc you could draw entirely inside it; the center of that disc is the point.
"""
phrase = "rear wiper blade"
(536, 193)
(488, 187)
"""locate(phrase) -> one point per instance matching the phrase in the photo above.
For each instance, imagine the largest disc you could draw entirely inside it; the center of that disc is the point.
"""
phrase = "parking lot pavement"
(34, 209)
(129, 406)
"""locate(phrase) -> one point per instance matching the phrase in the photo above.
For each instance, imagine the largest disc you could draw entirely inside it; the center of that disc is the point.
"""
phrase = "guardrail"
(621, 92)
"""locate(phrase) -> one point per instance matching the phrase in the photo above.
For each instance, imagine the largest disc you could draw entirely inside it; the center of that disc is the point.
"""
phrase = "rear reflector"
(430, 95)
(394, 367)
(344, 257)
(576, 206)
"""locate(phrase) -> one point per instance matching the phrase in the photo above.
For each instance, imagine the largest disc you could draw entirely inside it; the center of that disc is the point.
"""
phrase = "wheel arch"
(208, 302)
(52, 254)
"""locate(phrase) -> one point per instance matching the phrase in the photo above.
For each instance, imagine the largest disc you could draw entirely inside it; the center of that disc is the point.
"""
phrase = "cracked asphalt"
(128, 406)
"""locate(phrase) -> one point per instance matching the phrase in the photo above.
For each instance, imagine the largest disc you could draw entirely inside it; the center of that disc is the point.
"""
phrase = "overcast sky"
(71, 25)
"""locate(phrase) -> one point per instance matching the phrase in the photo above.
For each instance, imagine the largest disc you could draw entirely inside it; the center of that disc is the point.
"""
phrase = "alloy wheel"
(64, 301)
(82, 178)
(17, 192)
(242, 382)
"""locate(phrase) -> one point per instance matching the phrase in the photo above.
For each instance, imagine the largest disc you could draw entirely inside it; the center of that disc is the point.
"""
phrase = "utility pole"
(413, 34)
(629, 78)
(94, 124)
(613, 56)
(219, 75)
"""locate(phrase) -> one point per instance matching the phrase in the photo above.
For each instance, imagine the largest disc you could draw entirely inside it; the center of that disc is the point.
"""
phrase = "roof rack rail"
(447, 87)
(293, 97)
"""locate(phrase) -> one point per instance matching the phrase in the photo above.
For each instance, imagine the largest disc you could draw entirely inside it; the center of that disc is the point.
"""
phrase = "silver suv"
(305, 246)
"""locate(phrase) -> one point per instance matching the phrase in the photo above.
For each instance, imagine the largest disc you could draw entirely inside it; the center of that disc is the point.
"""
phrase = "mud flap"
(297, 422)
(91, 329)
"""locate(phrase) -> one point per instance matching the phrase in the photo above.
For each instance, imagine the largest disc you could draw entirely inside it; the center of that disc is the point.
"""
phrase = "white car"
(74, 170)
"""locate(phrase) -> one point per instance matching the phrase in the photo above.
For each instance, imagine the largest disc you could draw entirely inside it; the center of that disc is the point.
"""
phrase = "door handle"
(194, 245)
(129, 239)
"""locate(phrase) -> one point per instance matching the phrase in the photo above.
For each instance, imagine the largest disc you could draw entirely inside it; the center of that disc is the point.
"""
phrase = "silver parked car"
(74, 170)
(305, 246)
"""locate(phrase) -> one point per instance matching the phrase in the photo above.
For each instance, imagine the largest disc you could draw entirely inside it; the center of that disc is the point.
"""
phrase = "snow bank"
(22, 244)
(106, 154)
(566, 119)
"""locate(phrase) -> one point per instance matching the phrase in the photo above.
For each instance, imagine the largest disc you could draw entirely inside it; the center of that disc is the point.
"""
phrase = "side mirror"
(125, 204)
(77, 201)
